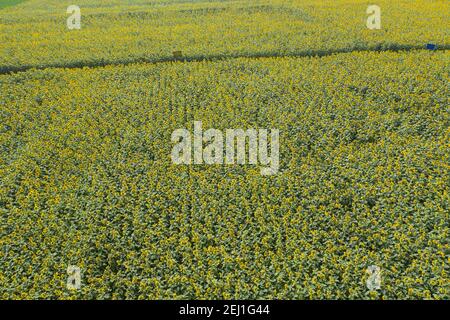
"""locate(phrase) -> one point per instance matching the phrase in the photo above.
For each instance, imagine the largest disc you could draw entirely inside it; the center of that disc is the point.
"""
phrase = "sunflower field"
(86, 178)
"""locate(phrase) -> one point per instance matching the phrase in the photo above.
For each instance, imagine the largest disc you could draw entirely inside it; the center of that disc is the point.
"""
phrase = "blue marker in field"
(431, 46)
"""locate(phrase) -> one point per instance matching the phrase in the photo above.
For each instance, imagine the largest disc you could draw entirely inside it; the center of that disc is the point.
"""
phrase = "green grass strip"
(8, 3)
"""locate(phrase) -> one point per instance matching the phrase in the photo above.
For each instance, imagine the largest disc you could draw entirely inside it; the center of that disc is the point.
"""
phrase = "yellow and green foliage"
(86, 176)
(34, 33)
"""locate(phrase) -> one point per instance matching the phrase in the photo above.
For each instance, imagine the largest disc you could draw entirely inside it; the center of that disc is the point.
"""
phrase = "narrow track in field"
(198, 58)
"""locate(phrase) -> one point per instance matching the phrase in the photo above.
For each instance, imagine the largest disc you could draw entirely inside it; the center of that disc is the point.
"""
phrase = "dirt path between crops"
(198, 58)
